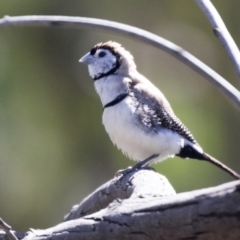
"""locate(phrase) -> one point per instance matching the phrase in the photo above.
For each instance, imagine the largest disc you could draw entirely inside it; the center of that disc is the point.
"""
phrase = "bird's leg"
(143, 164)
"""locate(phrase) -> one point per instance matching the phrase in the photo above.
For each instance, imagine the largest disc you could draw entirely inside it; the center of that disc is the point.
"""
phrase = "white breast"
(124, 130)
(138, 144)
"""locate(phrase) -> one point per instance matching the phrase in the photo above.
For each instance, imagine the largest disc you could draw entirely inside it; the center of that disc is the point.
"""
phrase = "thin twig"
(7, 229)
(221, 32)
(132, 32)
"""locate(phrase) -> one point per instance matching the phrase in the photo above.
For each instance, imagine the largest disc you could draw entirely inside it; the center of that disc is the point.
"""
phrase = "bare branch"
(131, 32)
(140, 183)
(151, 210)
(8, 230)
(221, 32)
(207, 214)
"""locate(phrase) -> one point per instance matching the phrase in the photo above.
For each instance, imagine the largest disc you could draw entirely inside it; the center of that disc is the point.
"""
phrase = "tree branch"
(7, 229)
(132, 32)
(151, 210)
(137, 184)
(221, 32)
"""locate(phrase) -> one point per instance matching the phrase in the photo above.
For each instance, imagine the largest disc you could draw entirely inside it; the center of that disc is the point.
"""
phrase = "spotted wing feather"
(153, 115)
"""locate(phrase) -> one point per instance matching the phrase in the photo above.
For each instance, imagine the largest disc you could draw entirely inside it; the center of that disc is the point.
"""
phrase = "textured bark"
(150, 209)
(136, 184)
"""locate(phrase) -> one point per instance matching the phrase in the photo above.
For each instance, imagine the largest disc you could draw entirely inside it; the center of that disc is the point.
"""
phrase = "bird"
(136, 114)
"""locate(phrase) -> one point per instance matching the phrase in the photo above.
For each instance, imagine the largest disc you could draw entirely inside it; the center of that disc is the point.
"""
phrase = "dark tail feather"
(217, 163)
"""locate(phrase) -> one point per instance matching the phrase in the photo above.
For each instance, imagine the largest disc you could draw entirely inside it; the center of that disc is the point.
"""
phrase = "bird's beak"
(87, 59)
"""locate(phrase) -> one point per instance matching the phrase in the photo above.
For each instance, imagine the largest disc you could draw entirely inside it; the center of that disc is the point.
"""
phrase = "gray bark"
(138, 184)
(143, 205)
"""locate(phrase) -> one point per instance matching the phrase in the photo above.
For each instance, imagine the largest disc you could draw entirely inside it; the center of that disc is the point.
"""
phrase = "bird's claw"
(123, 171)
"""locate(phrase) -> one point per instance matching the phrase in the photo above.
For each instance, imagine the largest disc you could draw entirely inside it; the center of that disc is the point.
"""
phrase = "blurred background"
(53, 148)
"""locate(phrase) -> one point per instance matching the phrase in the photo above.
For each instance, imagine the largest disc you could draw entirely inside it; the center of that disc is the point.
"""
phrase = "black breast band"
(117, 100)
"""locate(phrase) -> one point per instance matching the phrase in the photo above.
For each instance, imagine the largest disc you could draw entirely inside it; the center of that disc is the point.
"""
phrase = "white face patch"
(103, 62)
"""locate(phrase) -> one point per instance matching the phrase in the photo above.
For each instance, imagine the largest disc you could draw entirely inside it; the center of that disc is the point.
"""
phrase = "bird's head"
(105, 59)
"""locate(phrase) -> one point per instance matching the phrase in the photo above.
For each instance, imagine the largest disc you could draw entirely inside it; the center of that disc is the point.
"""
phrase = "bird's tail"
(207, 157)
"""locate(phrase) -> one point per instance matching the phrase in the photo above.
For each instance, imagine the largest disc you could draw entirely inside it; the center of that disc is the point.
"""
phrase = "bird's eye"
(101, 54)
